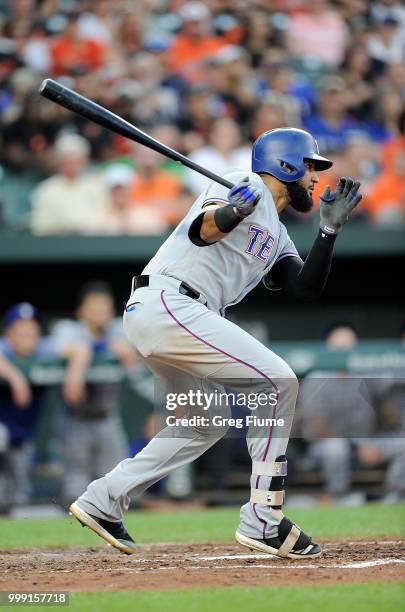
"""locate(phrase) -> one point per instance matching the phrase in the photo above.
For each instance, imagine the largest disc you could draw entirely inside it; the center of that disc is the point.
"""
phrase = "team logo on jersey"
(260, 243)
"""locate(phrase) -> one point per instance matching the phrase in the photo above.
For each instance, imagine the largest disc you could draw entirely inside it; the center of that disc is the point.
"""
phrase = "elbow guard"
(194, 233)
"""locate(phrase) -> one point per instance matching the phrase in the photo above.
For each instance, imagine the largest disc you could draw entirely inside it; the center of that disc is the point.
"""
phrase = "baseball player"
(229, 241)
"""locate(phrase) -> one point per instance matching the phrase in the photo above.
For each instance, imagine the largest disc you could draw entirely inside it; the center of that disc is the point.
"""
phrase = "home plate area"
(196, 565)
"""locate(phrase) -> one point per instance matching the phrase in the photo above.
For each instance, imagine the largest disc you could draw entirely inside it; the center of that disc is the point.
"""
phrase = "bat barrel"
(52, 90)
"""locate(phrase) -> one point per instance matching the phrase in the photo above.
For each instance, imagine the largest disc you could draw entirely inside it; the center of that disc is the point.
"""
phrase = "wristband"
(226, 219)
(326, 236)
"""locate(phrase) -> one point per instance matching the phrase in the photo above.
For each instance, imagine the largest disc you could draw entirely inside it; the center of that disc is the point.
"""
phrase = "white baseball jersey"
(226, 271)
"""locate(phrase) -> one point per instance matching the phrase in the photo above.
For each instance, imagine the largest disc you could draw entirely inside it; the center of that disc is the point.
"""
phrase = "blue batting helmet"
(283, 152)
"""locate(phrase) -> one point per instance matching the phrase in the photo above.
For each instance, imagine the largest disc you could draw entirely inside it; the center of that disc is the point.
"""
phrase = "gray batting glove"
(336, 206)
(244, 198)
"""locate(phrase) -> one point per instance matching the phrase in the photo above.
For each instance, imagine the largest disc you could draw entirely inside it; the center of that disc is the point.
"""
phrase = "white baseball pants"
(184, 342)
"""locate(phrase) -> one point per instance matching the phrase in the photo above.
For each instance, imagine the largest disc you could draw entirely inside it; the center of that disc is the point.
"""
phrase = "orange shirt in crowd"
(390, 151)
(161, 191)
(387, 192)
(67, 54)
(187, 54)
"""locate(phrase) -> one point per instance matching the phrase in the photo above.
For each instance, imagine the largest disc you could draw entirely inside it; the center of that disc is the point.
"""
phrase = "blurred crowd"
(205, 78)
(91, 434)
(345, 424)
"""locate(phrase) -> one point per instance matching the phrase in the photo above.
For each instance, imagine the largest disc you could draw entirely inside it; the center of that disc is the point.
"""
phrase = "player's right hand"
(244, 198)
(336, 206)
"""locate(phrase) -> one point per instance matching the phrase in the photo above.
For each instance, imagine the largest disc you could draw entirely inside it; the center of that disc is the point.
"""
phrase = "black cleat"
(290, 543)
(113, 533)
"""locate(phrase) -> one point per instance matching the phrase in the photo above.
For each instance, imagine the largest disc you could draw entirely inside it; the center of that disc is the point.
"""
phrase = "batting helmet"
(283, 152)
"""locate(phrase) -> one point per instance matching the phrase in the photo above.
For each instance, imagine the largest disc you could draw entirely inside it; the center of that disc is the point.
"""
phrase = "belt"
(144, 280)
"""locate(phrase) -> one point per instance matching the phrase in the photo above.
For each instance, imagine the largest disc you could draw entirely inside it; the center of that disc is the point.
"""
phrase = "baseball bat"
(90, 110)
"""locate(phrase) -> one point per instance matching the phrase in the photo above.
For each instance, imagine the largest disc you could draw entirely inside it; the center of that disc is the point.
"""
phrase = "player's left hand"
(336, 206)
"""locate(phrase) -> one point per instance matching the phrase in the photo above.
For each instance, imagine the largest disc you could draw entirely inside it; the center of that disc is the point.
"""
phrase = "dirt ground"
(199, 564)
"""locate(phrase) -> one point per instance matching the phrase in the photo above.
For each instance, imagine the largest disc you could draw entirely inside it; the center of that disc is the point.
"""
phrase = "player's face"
(300, 192)
(23, 336)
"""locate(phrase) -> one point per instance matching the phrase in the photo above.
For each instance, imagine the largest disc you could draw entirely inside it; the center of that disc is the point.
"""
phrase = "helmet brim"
(320, 163)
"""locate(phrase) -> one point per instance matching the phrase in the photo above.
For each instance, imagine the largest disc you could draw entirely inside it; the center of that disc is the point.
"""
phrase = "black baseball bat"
(90, 110)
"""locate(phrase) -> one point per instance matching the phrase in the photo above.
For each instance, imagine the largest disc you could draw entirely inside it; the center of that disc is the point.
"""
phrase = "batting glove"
(336, 206)
(244, 198)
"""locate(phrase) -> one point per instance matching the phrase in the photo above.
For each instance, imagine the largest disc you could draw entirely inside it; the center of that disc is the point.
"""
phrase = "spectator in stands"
(259, 33)
(385, 200)
(341, 336)
(389, 107)
(369, 436)
(70, 52)
(277, 75)
(131, 31)
(35, 51)
(121, 216)
(330, 126)
(318, 33)
(156, 102)
(357, 74)
(224, 151)
(387, 43)
(159, 190)
(201, 107)
(395, 78)
(22, 346)
(229, 77)
(23, 159)
(389, 8)
(189, 63)
(275, 110)
(97, 23)
(395, 145)
(195, 42)
(387, 448)
(67, 202)
(328, 419)
(20, 15)
(93, 436)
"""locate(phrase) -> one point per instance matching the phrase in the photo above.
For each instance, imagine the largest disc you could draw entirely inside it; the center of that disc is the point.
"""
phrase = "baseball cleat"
(113, 533)
(291, 543)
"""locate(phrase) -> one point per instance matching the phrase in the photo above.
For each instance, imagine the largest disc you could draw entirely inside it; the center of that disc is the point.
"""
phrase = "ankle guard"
(277, 470)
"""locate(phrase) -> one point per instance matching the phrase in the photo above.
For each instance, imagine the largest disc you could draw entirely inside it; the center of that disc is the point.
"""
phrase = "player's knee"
(286, 381)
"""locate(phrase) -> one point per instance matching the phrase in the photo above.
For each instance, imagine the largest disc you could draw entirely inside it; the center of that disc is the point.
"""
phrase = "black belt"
(143, 281)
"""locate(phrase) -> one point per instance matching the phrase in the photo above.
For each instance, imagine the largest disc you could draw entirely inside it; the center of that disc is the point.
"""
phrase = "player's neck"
(277, 190)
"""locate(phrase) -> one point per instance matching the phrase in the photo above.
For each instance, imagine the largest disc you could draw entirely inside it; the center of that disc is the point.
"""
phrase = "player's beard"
(299, 197)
